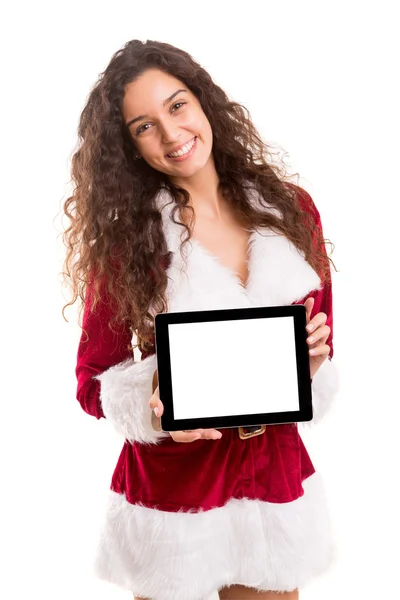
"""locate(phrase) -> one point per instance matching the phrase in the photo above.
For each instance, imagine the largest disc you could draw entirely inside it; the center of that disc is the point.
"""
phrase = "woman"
(174, 197)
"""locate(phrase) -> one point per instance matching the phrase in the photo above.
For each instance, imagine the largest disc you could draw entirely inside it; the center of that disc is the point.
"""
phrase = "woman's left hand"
(318, 334)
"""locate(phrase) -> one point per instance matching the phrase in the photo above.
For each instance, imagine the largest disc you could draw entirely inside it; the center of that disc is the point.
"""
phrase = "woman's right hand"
(181, 436)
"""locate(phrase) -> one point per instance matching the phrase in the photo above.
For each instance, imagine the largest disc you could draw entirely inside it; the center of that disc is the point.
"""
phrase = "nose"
(169, 131)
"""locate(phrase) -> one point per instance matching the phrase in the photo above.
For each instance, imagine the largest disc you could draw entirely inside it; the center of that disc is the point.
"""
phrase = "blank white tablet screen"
(243, 366)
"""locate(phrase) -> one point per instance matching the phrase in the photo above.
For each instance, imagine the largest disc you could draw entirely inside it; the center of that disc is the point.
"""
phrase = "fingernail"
(156, 411)
(310, 327)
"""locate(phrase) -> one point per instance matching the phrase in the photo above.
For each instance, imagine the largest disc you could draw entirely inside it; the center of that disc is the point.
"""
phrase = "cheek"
(149, 149)
(196, 120)
(204, 121)
(206, 128)
(190, 121)
(209, 130)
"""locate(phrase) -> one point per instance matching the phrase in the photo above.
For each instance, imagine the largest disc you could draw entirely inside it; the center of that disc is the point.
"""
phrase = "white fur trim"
(125, 393)
(278, 273)
(324, 387)
(185, 556)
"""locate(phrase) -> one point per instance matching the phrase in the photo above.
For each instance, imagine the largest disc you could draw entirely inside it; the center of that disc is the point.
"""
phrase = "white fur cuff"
(125, 393)
(324, 387)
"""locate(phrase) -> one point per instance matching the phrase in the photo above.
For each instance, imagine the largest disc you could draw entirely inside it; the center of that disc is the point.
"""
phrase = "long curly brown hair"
(116, 248)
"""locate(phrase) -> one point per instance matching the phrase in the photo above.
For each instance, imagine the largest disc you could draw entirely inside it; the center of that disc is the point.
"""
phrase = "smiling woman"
(163, 152)
(171, 132)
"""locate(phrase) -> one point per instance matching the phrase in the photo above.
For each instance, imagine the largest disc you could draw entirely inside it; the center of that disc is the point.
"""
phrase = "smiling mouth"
(186, 149)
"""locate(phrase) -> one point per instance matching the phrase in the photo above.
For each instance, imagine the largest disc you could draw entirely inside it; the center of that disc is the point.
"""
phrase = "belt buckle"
(244, 436)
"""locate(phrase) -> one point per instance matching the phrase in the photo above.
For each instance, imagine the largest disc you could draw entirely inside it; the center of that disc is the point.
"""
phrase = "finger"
(318, 320)
(155, 402)
(160, 407)
(156, 393)
(204, 434)
(309, 303)
(322, 333)
(185, 436)
(211, 434)
(319, 350)
(157, 408)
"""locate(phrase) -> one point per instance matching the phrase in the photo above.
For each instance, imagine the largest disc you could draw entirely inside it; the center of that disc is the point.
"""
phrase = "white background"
(321, 82)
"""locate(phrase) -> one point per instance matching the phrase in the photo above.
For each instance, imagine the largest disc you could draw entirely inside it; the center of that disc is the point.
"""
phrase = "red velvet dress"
(187, 518)
(205, 474)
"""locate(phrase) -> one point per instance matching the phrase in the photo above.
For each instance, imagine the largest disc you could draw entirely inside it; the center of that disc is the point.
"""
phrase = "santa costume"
(185, 519)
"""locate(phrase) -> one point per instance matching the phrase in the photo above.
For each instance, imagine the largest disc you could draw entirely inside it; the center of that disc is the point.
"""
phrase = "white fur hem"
(324, 387)
(186, 556)
(125, 393)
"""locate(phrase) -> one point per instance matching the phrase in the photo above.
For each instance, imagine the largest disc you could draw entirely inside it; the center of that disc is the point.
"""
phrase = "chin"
(189, 171)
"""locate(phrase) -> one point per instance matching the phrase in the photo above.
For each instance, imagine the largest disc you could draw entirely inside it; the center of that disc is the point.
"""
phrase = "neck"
(205, 197)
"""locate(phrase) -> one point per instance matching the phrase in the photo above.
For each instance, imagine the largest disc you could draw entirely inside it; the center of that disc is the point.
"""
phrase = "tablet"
(233, 368)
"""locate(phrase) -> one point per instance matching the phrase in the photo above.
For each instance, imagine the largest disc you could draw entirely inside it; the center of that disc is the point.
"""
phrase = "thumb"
(154, 399)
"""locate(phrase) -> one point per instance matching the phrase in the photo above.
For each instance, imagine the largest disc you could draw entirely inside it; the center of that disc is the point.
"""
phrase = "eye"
(139, 129)
(178, 104)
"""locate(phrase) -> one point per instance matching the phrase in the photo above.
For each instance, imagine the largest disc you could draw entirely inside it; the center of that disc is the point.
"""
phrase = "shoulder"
(306, 202)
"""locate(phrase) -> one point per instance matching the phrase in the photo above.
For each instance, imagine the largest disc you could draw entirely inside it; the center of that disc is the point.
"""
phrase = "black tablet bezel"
(163, 320)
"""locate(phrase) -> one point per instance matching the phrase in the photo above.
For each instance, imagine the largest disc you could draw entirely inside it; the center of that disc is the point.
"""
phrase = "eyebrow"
(166, 101)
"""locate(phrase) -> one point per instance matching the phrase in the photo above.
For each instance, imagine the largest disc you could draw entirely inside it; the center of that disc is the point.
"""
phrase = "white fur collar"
(278, 272)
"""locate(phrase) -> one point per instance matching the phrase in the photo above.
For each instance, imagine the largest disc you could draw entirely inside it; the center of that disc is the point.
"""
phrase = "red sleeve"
(99, 349)
(323, 297)
(323, 303)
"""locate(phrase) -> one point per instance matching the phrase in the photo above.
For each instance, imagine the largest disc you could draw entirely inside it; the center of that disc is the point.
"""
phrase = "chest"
(228, 243)
(209, 271)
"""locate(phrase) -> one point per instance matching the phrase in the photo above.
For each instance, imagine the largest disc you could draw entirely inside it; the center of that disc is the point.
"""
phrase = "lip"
(180, 158)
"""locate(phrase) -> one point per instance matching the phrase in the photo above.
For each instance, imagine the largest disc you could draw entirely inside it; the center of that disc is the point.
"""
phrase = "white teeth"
(186, 148)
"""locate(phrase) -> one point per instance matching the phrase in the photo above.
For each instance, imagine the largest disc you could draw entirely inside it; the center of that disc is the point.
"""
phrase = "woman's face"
(164, 116)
